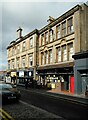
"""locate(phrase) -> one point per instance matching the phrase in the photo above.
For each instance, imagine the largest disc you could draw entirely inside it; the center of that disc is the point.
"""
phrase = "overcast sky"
(29, 15)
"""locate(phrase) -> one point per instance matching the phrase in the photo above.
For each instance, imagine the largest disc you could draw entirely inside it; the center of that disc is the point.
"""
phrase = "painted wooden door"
(72, 84)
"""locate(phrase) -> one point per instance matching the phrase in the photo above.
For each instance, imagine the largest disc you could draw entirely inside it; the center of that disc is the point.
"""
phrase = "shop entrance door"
(84, 84)
(72, 84)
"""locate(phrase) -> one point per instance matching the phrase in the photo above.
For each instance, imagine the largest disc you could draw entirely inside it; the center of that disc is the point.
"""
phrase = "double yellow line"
(4, 115)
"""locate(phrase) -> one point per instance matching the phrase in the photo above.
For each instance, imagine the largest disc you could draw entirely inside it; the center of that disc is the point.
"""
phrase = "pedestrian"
(26, 83)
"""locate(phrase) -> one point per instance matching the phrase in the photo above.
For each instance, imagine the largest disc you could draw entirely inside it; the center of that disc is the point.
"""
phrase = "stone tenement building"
(55, 54)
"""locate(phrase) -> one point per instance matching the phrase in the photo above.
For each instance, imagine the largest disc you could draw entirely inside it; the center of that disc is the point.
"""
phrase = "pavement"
(82, 99)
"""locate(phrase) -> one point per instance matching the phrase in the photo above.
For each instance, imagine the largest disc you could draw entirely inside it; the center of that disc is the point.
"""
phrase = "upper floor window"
(23, 62)
(59, 54)
(46, 57)
(17, 62)
(51, 35)
(46, 37)
(58, 32)
(64, 53)
(12, 64)
(71, 52)
(18, 48)
(42, 39)
(31, 42)
(70, 25)
(42, 58)
(8, 65)
(24, 46)
(13, 51)
(30, 60)
(64, 28)
(50, 56)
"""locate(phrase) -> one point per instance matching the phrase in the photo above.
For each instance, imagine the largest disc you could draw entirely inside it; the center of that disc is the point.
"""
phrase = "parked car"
(9, 93)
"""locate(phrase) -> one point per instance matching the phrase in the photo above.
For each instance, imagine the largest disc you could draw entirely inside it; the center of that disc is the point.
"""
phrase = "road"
(66, 109)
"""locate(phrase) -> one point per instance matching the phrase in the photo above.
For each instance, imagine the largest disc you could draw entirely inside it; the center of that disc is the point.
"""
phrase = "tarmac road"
(65, 109)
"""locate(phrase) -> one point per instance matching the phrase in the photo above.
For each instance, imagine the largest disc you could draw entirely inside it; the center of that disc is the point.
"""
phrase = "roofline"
(23, 38)
(60, 18)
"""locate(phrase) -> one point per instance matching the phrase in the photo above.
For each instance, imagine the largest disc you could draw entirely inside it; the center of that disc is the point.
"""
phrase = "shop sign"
(21, 73)
(13, 74)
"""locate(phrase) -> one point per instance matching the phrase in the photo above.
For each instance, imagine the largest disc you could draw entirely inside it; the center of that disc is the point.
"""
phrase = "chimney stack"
(51, 19)
(19, 33)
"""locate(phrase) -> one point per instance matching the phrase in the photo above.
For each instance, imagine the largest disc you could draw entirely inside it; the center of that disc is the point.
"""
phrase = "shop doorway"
(72, 84)
(84, 84)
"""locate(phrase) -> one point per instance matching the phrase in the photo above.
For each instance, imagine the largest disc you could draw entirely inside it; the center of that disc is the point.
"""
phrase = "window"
(59, 54)
(18, 48)
(51, 35)
(70, 51)
(24, 46)
(42, 54)
(46, 37)
(12, 64)
(30, 60)
(13, 51)
(46, 57)
(8, 65)
(64, 53)
(70, 25)
(17, 62)
(23, 62)
(31, 42)
(58, 34)
(50, 56)
(64, 28)
(42, 39)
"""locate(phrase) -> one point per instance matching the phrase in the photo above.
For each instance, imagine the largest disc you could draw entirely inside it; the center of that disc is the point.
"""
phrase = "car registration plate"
(12, 97)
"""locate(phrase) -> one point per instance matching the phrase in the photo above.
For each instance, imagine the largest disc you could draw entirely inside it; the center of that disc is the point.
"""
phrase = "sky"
(29, 15)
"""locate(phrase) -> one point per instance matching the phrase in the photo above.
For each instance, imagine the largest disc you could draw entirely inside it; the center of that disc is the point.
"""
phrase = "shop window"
(64, 28)
(70, 25)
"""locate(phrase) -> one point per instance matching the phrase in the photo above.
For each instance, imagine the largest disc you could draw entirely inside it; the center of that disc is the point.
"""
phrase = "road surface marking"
(5, 115)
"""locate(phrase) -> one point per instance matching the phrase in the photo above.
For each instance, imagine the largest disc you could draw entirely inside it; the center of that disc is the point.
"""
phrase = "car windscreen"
(5, 86)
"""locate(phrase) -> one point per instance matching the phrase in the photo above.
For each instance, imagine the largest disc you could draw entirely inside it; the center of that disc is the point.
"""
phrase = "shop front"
(61, 79)
(23, 75)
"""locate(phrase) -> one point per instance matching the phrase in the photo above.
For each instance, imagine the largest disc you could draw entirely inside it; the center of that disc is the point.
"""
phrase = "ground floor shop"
(20, 76)
(81, 72)
(57, 78)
